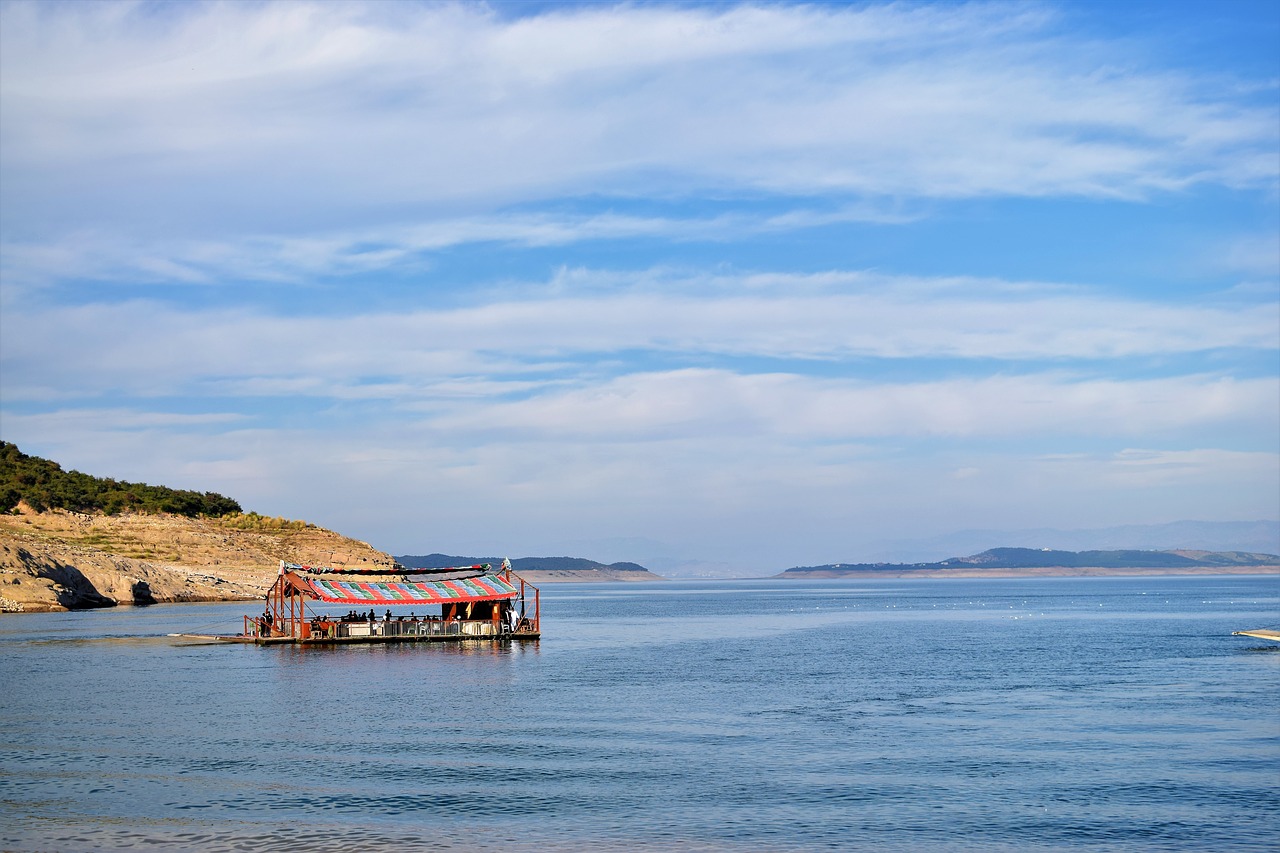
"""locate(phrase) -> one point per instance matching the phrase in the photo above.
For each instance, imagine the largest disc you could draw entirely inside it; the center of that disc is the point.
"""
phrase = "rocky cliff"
(60, 560)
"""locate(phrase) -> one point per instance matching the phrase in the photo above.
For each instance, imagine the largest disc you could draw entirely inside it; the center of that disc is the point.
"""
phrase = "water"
(1100, 714)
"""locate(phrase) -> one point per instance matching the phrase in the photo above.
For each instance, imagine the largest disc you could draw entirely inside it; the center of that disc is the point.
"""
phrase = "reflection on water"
(1047, 714)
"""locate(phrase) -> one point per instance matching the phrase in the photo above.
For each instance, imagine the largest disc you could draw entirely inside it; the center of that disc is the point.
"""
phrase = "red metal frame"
(535, 627)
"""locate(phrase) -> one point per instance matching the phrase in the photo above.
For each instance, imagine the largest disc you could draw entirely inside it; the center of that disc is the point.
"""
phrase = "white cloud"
(761, 503)
(1255, 255)
(118, 420)
(543, 334)
(656, 406)
(264, 117)
(1244, 477)
(101, 255)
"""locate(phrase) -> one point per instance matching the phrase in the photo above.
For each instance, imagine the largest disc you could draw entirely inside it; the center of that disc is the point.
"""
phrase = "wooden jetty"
(474, 603)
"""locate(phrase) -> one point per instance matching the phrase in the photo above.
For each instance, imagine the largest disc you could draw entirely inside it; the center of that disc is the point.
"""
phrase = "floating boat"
(475, 603)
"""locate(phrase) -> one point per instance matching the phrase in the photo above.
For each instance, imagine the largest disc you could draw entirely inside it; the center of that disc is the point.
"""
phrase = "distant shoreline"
(1036, 572)
(601, 575)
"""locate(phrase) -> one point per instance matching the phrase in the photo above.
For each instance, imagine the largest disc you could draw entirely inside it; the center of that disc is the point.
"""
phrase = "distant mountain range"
(1019, 559)
(1246, 536)
(673, 561)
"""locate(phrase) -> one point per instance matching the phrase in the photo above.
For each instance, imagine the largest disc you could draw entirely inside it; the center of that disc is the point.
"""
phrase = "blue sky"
(755, 285)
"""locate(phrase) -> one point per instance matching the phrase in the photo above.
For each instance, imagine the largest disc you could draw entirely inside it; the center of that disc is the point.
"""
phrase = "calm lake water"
(1109, 714)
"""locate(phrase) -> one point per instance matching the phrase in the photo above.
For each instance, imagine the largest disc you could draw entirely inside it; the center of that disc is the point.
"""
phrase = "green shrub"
(44, 485)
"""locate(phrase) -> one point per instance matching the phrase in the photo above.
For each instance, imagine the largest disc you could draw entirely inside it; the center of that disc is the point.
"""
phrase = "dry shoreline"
(58, 560)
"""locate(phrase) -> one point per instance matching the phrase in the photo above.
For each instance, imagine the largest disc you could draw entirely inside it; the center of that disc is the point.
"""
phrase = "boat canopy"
(486, 587)
(386, 570)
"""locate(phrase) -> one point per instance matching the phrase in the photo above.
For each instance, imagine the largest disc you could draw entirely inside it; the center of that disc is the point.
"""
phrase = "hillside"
(42, 485)
(1017, 562)
(70, 540)
(60, 560)
(541, 569)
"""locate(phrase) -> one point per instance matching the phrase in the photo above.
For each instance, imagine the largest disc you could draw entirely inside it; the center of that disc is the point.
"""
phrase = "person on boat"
(266, 623)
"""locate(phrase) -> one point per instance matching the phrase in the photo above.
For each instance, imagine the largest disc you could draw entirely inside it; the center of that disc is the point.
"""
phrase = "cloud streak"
(265, 111)
(786, 407)
(835, 317)
(110, 257)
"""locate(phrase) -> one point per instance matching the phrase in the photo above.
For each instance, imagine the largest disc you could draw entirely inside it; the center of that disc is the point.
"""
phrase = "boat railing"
(257, 626)
(322, 629)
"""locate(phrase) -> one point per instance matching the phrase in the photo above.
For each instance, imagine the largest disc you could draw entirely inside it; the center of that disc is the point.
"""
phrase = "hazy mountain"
(1244, 536)
(520, 564)
(1045, 558)
(1247, 536)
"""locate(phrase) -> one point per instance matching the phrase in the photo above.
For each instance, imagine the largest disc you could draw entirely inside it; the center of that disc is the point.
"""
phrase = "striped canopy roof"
(380, 569)
(482, 588)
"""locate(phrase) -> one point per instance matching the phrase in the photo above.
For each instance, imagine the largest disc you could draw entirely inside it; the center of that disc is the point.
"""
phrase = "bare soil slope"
(62, 560)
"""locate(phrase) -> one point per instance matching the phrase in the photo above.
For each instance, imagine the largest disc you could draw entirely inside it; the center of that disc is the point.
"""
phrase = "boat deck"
(342, 641)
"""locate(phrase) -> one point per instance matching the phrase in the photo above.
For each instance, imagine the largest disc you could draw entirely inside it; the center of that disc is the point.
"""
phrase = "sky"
(752, 286)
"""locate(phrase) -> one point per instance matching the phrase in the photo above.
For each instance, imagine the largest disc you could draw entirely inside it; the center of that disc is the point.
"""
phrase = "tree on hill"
(43, 485)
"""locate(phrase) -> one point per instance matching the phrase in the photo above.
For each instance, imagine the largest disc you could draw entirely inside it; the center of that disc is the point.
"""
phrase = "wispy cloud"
(108, 256)
(551, 364)
(828, 317)
(788, 407)
(263, 115)
(762, 504)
